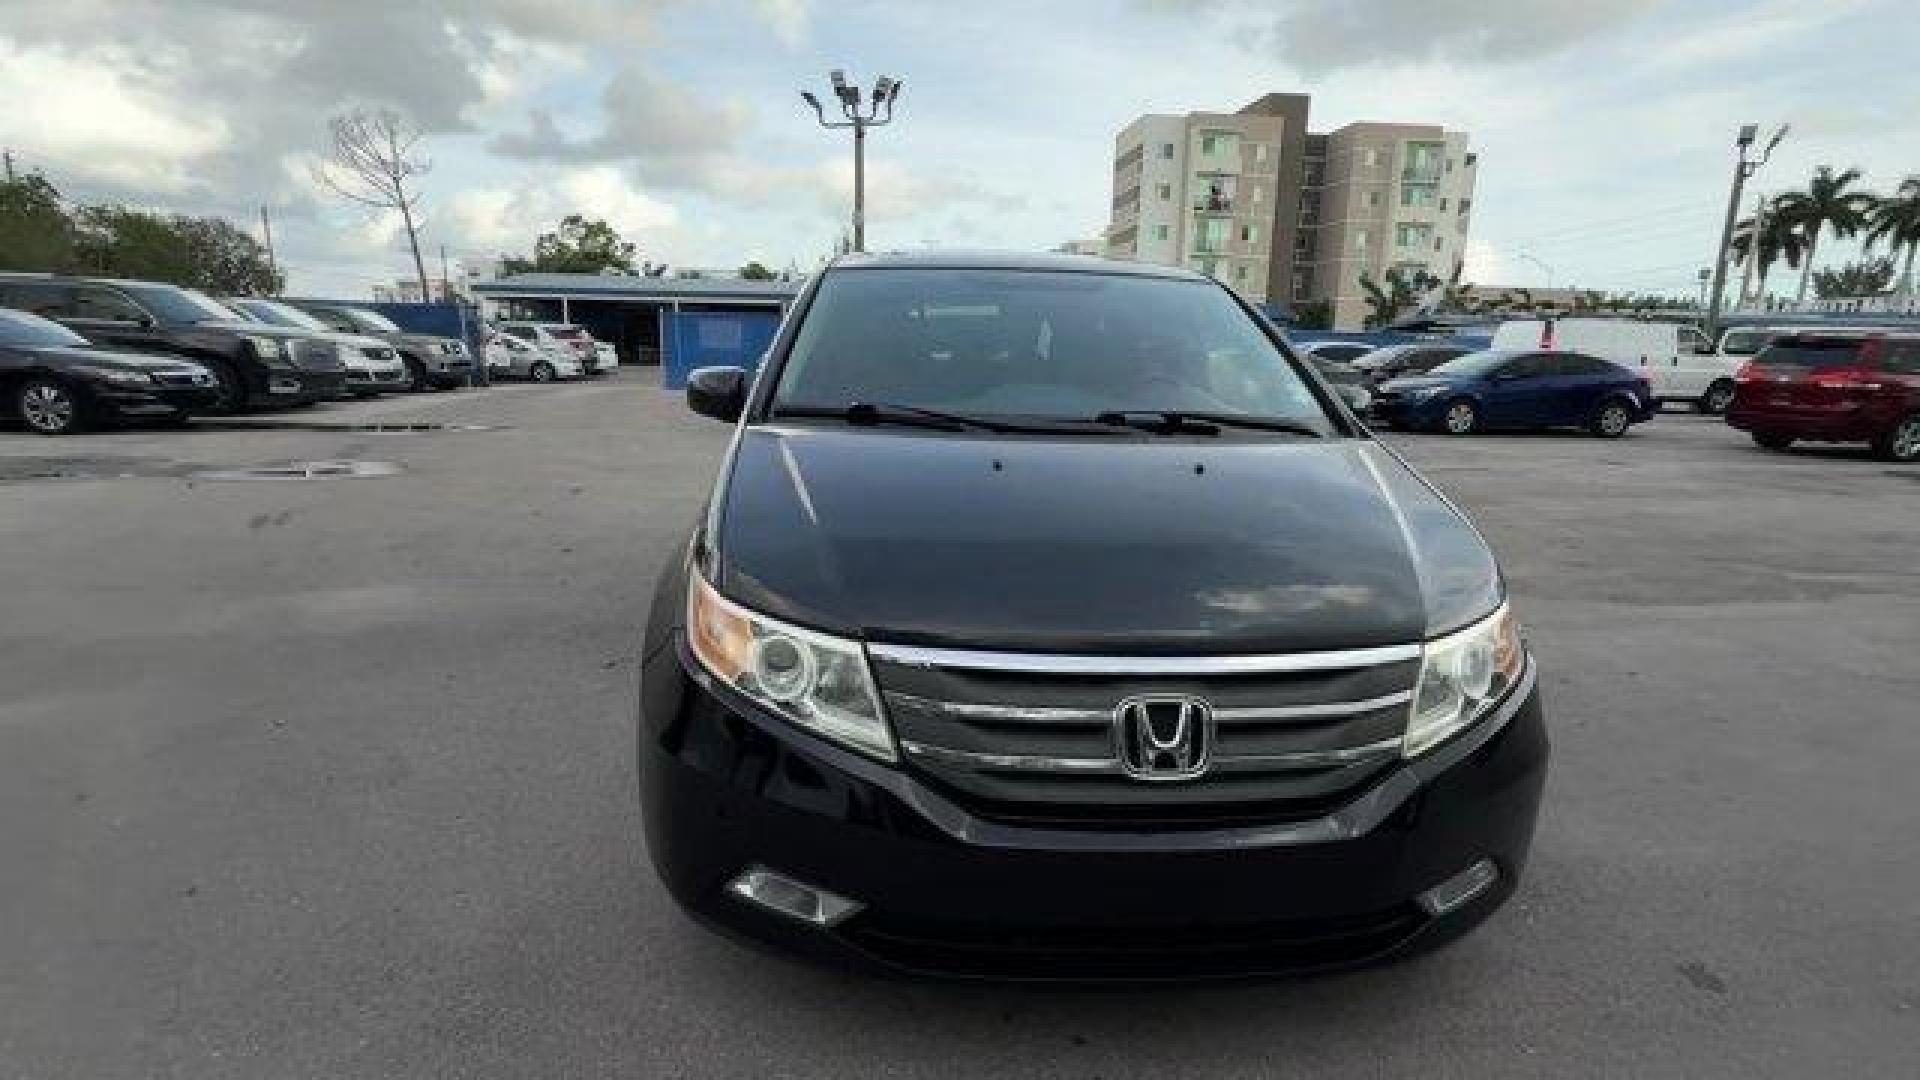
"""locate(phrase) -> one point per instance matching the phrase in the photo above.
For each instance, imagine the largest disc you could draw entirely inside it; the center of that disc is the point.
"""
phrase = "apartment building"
(1285, 214)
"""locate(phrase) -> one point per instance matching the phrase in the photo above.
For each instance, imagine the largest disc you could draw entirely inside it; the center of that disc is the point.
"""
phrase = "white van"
(1677, 361)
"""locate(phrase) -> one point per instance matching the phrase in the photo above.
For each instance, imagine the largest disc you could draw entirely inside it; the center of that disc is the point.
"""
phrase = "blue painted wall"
(709, 338)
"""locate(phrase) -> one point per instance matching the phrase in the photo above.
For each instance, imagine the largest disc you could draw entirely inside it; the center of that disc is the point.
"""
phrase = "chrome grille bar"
(1044, 715)
(1078, 664)
(1305, 759)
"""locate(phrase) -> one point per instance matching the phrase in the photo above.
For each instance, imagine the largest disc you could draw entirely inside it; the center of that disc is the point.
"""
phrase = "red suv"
(1853, 386)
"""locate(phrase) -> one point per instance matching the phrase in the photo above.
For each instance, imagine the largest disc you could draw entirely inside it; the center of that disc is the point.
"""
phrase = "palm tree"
(1896, 220)
(1826, 204)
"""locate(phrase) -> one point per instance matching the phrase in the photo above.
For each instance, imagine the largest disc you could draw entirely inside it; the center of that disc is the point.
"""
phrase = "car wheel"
(1772, 440)
(417, 375)
(50, 407)
(1717, 398)
(229, 390)
(1902, 443)
(1612, 421)
(1461, 418)
(542, 372)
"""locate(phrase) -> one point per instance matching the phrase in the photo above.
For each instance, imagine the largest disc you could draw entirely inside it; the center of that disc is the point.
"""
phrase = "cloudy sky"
(1604, 126)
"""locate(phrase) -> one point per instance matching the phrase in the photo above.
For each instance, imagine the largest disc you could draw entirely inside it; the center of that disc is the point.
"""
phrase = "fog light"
(791, 898)
(1459, 888)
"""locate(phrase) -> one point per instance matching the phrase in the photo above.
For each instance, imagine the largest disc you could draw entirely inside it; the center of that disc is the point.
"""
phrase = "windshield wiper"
(880, 412)
(1180, 421)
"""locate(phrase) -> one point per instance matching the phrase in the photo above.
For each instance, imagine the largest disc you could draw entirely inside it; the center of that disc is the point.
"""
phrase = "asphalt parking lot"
(332, 776)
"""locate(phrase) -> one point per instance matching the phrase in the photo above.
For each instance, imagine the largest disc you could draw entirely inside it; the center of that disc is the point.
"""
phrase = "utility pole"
(886, 90)
(1753, 250)
(1742, 168)
(446, 293)
(266, 234)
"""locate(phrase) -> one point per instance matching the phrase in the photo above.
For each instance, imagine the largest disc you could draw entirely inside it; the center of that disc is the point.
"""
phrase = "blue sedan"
(1508, 389)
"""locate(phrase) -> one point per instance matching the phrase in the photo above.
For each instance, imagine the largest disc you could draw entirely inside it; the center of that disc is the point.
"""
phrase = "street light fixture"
(878, 113)
(1743, 168)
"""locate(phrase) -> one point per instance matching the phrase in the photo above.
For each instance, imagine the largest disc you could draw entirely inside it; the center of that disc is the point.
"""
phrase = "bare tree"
(373, 162)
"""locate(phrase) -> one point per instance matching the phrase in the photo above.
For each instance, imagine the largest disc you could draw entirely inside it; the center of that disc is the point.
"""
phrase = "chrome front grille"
(312, 355)
(1037, 737)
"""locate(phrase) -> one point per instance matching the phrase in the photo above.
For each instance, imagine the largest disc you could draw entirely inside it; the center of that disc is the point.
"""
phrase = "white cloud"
(507, 219)
(67, 112)
(788, 19)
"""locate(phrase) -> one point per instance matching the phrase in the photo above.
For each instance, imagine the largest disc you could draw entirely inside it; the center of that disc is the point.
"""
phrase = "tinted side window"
(94, 302)
(333, 320)
(1901, 357)
(44, 298)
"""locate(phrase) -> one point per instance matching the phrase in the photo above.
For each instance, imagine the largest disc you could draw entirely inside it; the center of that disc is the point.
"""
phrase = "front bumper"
(1406, 412)
(158, 400)
(376, 380)
(946, 892)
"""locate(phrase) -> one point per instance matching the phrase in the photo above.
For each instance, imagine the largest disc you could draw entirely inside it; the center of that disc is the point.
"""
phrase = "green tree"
(579, 246)
(199, 253)
(35, 231)
(1896, 222)
(1826, 204)
(1313, 315)
(755, 271)
(1400, 293)
(1867, 277)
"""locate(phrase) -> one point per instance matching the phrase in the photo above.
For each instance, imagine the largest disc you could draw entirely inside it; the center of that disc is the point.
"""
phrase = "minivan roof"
(966, 259)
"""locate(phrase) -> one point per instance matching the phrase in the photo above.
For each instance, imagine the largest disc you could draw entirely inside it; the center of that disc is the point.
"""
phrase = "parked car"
(1512, 389)
(606, 357)
(59, 383)
(1347, 381)
(557, 339)
(1074, 633)
(433, 362)
(252, 364)
(1412, 359)
(373, 365)
(509, 357)
(1834, 386)
(1677, 361)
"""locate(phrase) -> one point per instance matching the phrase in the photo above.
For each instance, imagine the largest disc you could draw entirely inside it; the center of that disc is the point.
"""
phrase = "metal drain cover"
(305, 470)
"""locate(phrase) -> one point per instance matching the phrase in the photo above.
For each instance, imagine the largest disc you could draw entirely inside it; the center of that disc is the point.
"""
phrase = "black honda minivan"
(1050, 619)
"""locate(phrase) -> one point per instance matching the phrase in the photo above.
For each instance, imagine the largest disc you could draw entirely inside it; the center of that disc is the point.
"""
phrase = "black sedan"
(60, 383)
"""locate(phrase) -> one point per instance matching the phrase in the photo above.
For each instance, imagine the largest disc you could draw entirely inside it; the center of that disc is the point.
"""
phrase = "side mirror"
(719, 392)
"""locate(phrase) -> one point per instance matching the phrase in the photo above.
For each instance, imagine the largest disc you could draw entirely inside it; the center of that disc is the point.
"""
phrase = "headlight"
(452, 348)
(1462, 676)
(1426, 391)
(270, 351)
(121, 376)
(815, 681)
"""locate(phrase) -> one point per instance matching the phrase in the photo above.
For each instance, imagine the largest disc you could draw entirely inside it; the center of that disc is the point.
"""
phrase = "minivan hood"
(1082, 545)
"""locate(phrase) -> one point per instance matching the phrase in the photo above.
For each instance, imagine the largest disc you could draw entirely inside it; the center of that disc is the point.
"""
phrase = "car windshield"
(1745, 342)
(1473, 363)
(171, 304)
(571, 333)
(268, 311)
(21, 328)
(371, 321)
(1056, 345)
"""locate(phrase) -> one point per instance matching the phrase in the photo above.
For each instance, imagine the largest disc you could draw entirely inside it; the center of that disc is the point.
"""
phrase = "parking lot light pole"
(1742, 168)
(879, 113)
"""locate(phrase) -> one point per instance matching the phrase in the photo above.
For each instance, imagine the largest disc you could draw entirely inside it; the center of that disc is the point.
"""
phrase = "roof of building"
(614, 286)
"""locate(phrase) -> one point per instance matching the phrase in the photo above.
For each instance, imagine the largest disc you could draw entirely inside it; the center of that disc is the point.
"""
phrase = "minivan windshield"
(1042, 344)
